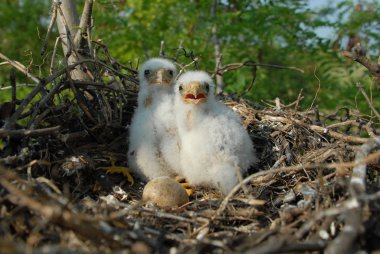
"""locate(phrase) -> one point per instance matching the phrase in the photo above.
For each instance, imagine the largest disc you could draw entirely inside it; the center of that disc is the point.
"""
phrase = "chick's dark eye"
(180, 88)
(146, 72)
(207, 87)
(171, 73)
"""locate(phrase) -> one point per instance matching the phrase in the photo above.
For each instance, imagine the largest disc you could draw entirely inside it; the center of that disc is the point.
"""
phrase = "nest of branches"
(315, 189)
(312, 190)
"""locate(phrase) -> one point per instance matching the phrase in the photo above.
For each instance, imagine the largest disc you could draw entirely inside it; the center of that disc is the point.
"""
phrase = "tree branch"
(29, 133)
(318, 129)
(85, 22)
(20, 67)
(353, 218)
(358, 54)
(217, 49)
(68, 23)
(234, 66)
(52, 22)
(370, 158)
(359, 86)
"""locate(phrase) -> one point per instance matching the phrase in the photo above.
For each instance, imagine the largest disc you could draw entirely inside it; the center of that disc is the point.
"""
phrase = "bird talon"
(118, 170)
(187, 186)
(180, 179)
(189, 192)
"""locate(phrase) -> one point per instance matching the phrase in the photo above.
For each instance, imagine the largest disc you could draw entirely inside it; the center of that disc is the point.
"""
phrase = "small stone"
(289, 197)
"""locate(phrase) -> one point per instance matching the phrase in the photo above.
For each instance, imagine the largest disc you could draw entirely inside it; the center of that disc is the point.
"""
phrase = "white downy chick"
(214, 144)
(153, 145)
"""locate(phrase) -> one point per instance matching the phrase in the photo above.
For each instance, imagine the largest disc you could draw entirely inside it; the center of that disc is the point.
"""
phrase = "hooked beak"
(160, 77)
(194, 93)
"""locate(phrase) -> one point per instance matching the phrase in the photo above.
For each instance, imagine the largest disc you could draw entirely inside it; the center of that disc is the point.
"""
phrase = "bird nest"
(314, 189)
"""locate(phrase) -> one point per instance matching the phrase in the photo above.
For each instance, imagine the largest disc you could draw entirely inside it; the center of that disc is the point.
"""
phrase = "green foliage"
(281, 32)
(23, 27)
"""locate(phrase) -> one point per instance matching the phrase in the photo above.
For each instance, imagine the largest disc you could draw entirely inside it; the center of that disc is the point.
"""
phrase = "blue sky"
(323, 32)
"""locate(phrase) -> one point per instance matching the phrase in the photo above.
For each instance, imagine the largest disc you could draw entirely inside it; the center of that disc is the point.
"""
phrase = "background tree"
(283, 32)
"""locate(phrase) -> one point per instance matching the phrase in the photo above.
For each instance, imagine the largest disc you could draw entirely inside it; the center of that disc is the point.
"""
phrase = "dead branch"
(29, 133)
(319, 87)
(358, 54)
(112, 60)
(12, 79)
(217, 48)
(370, 104)
(353, 217)
(180, 46)
(368, 159)
(357, 184)
(161, 53)
(11, 121)
(84, 24)
(299, 99)
(53, 55)
(67, 21)
(54, 212)
(234, 66)
(346, 123)
(81, 100)
(51, 24)
(282, 245)
(42, 84)
(319, 129)
(18, 85)
(20, 67)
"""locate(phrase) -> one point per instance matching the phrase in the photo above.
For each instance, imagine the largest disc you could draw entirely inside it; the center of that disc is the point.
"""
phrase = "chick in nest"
(215, 147)
(153, 144)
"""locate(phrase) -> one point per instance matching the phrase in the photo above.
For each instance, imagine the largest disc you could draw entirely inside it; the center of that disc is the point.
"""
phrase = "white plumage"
(153, 147)
(214, 144)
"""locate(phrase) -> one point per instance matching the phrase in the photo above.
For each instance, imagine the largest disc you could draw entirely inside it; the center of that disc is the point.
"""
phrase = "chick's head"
(157, 72)
(195, 87)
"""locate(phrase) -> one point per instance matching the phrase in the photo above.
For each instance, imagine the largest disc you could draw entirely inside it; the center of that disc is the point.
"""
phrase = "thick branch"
(359, 55)
(68, 23)
(357, 184)
(217, 49)
(353, 218)
(71, 19)
(85, 22)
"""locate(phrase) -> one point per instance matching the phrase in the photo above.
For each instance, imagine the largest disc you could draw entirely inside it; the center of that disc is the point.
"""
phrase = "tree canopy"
(281, 32)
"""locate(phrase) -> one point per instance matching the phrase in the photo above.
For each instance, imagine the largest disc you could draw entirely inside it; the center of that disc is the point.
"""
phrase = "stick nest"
(56, 198)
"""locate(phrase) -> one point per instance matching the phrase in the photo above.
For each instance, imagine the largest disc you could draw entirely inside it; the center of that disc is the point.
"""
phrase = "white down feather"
(153, 145)
(214, 144)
